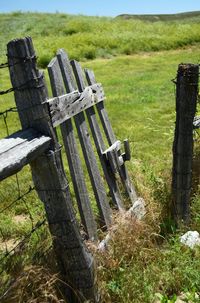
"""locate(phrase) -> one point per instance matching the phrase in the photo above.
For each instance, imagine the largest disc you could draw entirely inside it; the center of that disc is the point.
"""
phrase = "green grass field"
(135, 61)
(92, 37)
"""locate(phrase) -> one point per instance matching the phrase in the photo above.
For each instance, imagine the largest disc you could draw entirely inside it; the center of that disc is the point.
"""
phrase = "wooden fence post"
(75, 262)
(186, 99)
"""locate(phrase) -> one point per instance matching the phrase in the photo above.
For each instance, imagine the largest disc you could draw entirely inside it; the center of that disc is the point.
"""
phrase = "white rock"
(103, 245)
(138, 209)
(190, 238)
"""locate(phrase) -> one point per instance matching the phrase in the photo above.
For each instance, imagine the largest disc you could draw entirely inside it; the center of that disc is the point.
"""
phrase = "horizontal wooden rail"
(114, 147)
(113, 156)
(20, 149)
(66, 106)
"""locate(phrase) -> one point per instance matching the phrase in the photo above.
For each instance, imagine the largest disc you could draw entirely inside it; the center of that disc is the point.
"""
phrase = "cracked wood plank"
(20, 149)
(66, 106)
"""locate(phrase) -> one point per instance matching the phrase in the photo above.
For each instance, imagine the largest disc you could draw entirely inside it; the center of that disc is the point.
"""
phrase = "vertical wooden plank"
(84, 137)
(73, 157)
(102, 111)
(124, 175)
(98, 139)
(186, 101)
(75, 262)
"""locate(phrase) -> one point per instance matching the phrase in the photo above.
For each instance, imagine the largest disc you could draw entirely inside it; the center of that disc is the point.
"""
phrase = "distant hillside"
(87, 38)
(162, 17)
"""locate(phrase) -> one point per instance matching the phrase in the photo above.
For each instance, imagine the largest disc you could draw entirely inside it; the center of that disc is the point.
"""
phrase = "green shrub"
(77, 26)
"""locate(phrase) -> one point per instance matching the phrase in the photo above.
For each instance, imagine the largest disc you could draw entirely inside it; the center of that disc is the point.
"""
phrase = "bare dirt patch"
(20, 219)
(8, 245)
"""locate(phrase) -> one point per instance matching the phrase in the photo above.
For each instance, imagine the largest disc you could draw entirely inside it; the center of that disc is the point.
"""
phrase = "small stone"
(103, 245)
(190, 238)
(138, 209)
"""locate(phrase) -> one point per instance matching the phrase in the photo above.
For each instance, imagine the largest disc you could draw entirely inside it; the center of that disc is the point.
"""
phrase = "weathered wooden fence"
(186, 102)
(77, 99)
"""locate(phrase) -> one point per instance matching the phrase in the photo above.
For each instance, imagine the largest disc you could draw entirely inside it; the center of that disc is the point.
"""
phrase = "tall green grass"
(88, 38)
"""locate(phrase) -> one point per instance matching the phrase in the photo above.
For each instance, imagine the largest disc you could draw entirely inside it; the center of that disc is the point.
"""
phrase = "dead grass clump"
(129, 236)
(35, 285)
(131, 242)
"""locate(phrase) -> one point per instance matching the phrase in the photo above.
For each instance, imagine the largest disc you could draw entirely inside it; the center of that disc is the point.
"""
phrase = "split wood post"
(186, 100)
(75, 262)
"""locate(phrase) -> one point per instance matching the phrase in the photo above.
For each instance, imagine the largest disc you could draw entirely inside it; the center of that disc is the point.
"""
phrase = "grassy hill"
(188, 17)
(88, 38)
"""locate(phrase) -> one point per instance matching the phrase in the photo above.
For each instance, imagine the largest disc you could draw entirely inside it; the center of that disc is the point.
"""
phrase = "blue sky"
(101, 7)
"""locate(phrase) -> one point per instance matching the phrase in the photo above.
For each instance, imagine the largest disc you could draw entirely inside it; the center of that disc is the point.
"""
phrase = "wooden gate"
(77, 100)
(66, 77)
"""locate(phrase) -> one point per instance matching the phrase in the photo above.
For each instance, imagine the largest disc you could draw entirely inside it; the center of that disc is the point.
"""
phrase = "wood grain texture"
(99, 142)
(75, 167)
(20, 149)
(48, 173)
(186, 102)
(96, 132)
(114, 147)
(102, 111)
(123, 173)
(66, 106)
(89, 156)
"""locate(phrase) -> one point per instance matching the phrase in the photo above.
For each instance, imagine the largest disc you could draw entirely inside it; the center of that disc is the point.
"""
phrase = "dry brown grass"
(130, 240)
(35, 285)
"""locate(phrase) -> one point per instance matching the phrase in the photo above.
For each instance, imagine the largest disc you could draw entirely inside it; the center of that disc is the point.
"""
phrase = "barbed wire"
(4, 115)
(4, 65)
(21, 59)
(21, 196)
(16, 200)
(19, 246)
(9, 110)
(23, 241)
(25, 85)
(41, 256)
